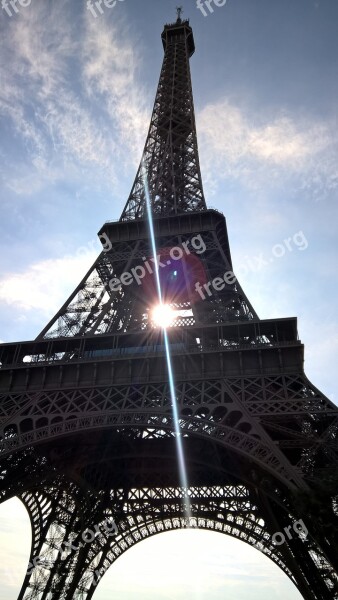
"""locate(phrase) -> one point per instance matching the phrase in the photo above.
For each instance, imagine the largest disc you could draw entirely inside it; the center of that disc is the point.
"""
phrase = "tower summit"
(92, 411)
(170, 157)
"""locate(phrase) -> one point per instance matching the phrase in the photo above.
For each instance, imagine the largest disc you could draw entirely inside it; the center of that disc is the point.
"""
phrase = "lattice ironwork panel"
(63, 562)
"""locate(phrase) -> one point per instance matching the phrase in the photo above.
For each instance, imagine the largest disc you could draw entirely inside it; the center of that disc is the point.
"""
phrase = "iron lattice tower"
(87, 424)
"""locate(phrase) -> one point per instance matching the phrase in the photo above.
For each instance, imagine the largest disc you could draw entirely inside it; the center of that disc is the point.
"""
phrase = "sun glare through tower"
(163, 315)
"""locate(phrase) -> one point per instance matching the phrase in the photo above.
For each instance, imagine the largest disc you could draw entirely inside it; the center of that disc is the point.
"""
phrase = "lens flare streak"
(178, 435)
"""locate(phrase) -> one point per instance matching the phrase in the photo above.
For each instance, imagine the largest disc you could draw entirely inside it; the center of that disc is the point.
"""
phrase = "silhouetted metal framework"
(87, 431)
(170, 157)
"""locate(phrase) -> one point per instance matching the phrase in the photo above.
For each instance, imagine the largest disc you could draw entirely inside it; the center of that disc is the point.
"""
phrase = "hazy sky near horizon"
(76, 94)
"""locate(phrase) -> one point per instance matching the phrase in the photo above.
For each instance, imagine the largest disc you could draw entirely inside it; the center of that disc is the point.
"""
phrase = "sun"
(163, 315)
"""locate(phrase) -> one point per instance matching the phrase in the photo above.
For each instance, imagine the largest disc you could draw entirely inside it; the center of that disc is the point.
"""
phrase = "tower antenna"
(179, 12)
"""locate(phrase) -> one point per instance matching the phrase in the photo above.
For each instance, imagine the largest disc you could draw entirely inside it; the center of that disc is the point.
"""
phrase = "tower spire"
(169, 168)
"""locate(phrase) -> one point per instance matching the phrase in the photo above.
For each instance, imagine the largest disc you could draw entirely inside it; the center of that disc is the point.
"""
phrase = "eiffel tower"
(109, 417)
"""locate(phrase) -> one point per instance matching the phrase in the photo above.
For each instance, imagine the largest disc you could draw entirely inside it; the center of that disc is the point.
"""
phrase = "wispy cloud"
(238, 145)
(70, 99)
(44, 286)
(110, 67)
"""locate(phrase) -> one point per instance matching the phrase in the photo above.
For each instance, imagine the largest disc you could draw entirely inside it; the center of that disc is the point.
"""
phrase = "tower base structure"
(89, 439)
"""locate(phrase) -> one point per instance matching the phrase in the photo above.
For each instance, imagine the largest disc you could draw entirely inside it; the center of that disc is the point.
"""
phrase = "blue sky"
(76, 94)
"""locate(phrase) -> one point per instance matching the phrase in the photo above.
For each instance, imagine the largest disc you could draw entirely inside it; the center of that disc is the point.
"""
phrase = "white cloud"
(234, 145)
(110, 69)
(44, 286)
(198, 564)
(14, 526)
(33, 59)
(45, 70)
